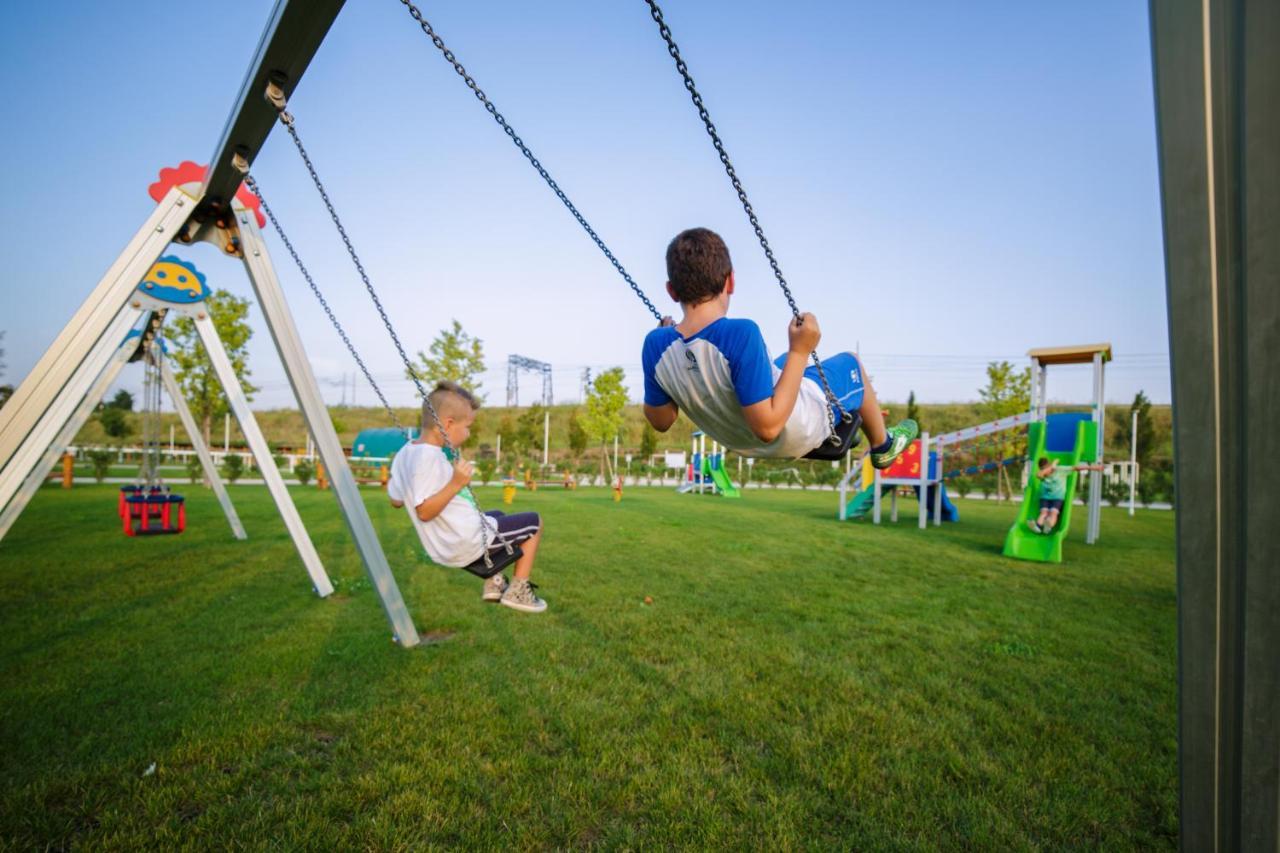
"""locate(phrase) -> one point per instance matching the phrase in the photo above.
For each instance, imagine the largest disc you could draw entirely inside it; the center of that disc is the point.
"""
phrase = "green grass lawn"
(796, 683)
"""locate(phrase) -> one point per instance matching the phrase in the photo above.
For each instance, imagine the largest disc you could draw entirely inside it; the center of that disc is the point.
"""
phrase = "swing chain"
(288, 121)
(430, 32)
(703, 114)
(254, 188)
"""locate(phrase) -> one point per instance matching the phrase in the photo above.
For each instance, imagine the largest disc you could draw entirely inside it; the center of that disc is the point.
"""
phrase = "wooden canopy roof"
(1081, 354)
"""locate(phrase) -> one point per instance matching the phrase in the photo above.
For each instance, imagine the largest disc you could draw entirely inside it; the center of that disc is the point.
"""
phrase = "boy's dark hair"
(697, 265)
(1044, 461)
(448, 399)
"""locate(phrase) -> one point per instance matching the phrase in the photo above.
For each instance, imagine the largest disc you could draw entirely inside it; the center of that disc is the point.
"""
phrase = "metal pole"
(923, 503)
(875, 497)
(30, 400)
(1216, 75)
(65, 436)
(1133, 459)
(498, 454)
(226, 433)
(546, 439)
(61, 407)
(298, 369)
(262, 454)
(202, 451)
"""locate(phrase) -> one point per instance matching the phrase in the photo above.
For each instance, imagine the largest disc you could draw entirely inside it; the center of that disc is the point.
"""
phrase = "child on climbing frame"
(1053, 491)
(426, 476)
(717, 369)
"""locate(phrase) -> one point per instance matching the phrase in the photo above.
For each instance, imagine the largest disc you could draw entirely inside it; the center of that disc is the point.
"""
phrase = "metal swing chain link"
(703, 114)
(254, 187)
(287, 120)
(430, 32)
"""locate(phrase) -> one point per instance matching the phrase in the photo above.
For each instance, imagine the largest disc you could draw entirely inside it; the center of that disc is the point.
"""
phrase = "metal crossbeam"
(291, 38)
(970, 433)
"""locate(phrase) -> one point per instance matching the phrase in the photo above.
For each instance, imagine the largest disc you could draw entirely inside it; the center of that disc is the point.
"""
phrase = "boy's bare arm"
(435, 504)
(661, 417)
(767, 417)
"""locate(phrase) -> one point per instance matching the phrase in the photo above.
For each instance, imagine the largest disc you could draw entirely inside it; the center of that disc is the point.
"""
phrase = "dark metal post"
(1217, 87)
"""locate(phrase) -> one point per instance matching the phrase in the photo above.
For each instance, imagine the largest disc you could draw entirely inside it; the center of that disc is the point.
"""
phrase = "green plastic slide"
(720, 478)
(1024, 543)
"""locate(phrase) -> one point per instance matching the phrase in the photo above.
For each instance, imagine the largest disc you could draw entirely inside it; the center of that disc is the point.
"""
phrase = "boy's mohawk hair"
(697, 265)
(448, 398)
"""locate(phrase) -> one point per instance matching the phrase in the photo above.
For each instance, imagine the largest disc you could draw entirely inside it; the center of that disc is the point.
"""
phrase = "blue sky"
(943, 183)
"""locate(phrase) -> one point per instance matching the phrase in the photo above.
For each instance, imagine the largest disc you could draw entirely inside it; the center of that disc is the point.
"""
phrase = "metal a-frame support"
(262, 453)
(35, 479)
(1217, 87)
(297, 367)
(51, 393)
(202, 450)
(116, 361)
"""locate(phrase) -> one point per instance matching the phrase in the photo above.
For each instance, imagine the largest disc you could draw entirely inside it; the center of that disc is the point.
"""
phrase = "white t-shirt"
(452, 538)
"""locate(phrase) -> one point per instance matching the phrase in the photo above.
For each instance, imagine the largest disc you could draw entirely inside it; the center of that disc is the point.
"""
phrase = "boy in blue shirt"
(717, 369)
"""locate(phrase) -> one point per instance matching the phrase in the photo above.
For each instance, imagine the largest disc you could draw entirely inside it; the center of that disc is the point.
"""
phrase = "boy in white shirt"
(449, 524)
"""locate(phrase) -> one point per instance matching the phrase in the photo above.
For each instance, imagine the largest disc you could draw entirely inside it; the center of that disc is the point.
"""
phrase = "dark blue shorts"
(844, 375)
(514, 528)
(1048, 504)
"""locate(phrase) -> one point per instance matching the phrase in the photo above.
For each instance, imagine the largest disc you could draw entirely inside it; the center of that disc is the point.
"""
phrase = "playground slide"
(723, 483)
(862, 501)
(949, 511)
(1056, 443)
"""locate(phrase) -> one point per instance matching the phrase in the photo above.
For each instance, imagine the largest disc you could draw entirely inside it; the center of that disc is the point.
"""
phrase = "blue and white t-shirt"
(714, 373)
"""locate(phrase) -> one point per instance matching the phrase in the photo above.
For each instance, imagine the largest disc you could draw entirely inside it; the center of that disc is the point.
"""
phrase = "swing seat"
(500, 559)
(152, 512)
(846, 438)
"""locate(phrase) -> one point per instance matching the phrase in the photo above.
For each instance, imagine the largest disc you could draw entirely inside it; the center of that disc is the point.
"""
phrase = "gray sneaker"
(1035, 527)
(520, 596)
(494, 587)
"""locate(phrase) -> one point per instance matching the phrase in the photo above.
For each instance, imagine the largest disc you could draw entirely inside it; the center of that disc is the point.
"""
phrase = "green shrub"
(232, 467)
(304, 471)
(485, 469)
(962, 486)
(195, 471)
(101, 461)
(1116, 492)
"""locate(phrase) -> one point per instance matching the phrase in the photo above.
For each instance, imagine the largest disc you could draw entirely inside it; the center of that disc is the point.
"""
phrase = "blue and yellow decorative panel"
(174, 280)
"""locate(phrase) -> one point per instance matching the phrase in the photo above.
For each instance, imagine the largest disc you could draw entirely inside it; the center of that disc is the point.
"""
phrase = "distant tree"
(648, 442)
(194, 370)
(577, 436)
(114, 420)
(1007, 392)
(123, 400)
(528, 432)
(606, 399)
(304, 471)
(6, 391)
(913, 411)
(1146, 438)
(454, 356)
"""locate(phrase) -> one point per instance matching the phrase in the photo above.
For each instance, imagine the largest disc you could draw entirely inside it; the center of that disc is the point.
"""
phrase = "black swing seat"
(500, 559)
(846, 438)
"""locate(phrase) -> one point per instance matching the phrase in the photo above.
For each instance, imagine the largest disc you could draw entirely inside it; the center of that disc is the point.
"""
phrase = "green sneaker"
(901, 434)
